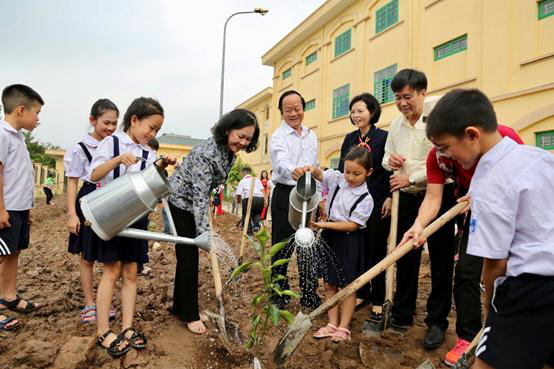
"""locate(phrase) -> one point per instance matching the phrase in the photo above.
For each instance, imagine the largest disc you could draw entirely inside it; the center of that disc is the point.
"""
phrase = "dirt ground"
(53, 337)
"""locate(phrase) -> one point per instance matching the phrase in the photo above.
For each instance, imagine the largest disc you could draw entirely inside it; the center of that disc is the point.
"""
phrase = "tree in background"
(234, 177)
(37, 150)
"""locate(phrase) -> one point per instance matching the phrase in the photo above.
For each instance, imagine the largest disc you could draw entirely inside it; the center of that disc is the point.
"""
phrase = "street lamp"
(260, 11)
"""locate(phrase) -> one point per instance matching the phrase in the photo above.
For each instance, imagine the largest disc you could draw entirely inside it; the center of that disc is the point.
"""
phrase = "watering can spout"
(203, 241)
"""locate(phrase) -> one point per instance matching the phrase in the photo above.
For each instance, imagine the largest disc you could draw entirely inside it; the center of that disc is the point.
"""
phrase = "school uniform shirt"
(203, 169)
(105, 152)
(345, 199)
(288, 151)
(243, 188)
(512, 197)
(410, 141)
(440, 166)
(18, 173)
(75, 161)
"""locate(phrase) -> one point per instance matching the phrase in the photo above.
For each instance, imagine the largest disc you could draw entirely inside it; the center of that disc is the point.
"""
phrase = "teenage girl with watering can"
(203, 169)
(116, 154)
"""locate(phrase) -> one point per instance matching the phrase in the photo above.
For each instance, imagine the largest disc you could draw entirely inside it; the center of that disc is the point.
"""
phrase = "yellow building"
(346, 47)
(176, 145)
(261, 105)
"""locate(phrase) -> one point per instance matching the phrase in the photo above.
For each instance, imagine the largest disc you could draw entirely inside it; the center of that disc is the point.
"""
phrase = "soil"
(53, 336)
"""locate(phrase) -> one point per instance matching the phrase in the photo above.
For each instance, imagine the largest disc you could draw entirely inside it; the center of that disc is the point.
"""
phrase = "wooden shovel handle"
(389, 278)
(399, 251)
(247, 219)
(215, 265)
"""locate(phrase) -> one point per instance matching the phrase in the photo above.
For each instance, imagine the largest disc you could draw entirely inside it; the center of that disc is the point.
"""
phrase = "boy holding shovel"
(511, 227)
(467, 273)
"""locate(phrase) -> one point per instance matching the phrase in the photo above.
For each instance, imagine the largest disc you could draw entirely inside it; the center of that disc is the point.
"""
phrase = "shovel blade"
(229, 330)
(427, 364)
(292, 338)
(372, 328)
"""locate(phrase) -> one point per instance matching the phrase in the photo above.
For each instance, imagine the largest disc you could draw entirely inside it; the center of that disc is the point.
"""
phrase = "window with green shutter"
(287, 73)
(546, 8)
(386, 16)
(311, 58)
(310, 105)
(451, 47)
(545, 140)
(381, 84)
(343, 42)
(341, 98)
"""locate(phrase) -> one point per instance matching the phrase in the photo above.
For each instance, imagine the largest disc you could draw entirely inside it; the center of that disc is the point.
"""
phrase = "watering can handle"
(308, 182)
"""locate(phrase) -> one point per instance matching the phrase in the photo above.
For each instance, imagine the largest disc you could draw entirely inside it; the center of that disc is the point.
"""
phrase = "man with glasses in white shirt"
(292, 146)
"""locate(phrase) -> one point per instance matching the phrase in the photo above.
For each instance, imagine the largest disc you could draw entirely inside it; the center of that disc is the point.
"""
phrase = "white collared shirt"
(411, 141)
(75, 161)
(243, 188)
(288, 151)
(512, 208)
(17, 173)
(105, 152)
(345, 199)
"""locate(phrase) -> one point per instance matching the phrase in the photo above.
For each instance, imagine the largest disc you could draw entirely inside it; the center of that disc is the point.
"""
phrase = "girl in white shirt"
(114, 156)
(82, 241)
(349, 205)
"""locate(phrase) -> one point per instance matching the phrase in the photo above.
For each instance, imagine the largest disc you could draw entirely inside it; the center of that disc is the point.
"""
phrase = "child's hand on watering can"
(317, 173)
(168, 160)
(317, 225)
(127, 159)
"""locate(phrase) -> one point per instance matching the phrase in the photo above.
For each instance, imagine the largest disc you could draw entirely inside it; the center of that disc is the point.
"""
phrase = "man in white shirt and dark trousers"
(258, 201)
(511, 227)
(406, 152)
(292, 146)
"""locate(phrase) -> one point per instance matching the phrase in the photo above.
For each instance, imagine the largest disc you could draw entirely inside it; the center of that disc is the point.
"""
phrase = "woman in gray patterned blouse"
(203, 169)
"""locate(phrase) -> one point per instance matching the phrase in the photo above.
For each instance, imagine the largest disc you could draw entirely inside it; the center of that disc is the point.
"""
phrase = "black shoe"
(401, 325)
(433, 338)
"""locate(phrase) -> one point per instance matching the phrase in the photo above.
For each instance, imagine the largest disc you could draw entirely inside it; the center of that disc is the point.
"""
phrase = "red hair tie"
(365, 145)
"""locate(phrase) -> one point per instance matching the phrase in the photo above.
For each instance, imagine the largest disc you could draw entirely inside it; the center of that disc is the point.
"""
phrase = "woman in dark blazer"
(364, 114)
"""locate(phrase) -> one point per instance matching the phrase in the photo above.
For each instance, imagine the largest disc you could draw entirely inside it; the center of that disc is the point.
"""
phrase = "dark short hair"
(141, 107)
(17, 95)
(409, 77)
(101, 106)
(372, 105)
(360, 155)
(460, 109)
(287, 93)
(246, 170)
(154, 144)
(236, 119)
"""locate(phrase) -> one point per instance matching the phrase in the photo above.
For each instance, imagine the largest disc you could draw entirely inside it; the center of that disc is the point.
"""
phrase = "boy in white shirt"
(258, 201)
(22, 106)
(511, 227)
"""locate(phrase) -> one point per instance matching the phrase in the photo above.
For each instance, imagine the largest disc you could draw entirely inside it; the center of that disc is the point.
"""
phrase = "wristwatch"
(412, 181)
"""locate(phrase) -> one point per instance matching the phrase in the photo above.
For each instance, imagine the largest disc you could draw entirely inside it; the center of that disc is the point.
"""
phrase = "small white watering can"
(114, 207)
(303, 201)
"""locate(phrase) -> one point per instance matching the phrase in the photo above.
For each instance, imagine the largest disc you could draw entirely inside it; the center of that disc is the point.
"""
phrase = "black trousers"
(185, 291)
(467, 293)
(280, 231)
(377, 233)
(441, 254)
(255, 213)
(49, 194)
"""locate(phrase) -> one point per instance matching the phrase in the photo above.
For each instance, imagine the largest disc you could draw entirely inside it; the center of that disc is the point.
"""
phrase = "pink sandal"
(327, 331)
(341, 335)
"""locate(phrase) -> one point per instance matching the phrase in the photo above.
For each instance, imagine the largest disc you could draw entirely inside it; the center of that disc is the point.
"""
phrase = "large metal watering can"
(303, 201)
(114, 207)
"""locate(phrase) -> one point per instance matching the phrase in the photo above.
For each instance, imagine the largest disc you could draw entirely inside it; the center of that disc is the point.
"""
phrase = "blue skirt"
(86, 242)
(348, 257)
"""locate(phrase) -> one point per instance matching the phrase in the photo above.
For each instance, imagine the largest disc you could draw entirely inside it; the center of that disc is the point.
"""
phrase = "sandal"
(199, 329)
(88, 314)
(12, 305)
(113, 349)
(136, 336)
(341, 335)
(6, 326)
(112, 313)
(376, 317)
(327, 331)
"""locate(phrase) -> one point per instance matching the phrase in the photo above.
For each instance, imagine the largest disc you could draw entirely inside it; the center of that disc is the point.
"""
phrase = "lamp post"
(260, 11)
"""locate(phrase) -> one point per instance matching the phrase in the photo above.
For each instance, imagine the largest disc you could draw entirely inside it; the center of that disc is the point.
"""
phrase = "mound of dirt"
(53, 337)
